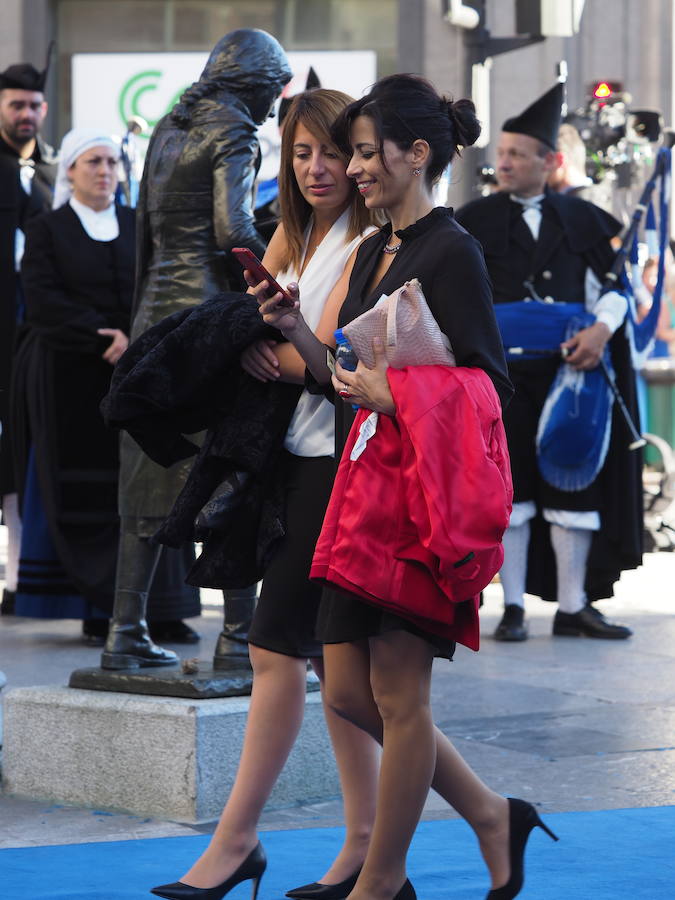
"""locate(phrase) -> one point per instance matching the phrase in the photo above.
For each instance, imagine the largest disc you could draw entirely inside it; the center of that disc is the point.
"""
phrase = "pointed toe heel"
(318, 891)
(523, 817)
(252, 869)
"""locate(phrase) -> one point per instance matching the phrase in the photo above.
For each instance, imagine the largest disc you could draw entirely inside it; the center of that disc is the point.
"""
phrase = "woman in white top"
(323, 222)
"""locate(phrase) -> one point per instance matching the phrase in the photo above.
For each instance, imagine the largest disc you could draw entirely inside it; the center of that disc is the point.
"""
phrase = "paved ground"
(573, 724)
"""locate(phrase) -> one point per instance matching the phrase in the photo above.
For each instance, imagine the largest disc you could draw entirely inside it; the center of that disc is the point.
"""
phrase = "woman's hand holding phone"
(273, 311)
(255, 270)
(278, 307)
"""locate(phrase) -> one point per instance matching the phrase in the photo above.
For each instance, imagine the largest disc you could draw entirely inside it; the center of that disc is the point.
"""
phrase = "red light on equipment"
(602, 91)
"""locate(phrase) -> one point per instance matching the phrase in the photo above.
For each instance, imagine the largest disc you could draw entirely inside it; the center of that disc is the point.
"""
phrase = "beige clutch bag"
(405, 324)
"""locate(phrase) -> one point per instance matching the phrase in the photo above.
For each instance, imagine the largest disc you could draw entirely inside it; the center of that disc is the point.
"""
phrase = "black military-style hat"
(24, 77)
(313, 81)
(541, 120)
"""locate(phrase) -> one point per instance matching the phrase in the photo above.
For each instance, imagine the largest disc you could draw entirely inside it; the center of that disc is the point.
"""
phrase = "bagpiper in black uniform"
(541, 247)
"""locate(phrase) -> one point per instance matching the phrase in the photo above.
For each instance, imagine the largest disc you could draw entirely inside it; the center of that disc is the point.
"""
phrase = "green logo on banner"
(132, 94)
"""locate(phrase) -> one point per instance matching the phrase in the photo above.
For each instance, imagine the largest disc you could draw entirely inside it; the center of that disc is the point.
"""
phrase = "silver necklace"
(389, 249)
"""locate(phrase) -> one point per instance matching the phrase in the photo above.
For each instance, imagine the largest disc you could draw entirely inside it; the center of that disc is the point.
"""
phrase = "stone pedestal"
(166, 757)
(204, 683)
(3, 682)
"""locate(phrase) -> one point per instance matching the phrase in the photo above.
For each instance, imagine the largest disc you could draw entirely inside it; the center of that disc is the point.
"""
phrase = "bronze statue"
(195, 204)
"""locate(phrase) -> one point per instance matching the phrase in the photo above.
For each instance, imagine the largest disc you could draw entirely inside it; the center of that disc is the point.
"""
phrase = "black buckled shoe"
(589, 622)
(513, 626)
(174, 631)
(8, 603)
(95, 631)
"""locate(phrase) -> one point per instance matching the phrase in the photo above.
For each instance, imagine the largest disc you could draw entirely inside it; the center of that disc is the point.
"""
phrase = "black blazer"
(574, 235)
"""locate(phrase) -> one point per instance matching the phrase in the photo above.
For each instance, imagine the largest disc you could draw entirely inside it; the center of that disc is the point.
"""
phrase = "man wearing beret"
(27, 173)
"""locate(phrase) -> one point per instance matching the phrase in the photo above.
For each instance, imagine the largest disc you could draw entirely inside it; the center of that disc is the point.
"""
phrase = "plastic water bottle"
(345, 355)
(344, 352)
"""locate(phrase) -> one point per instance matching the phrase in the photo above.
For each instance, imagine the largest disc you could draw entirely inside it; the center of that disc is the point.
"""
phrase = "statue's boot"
(232, 644)
(129, 645)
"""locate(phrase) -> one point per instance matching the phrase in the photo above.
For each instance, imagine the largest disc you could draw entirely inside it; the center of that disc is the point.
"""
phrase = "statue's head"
(252, 64)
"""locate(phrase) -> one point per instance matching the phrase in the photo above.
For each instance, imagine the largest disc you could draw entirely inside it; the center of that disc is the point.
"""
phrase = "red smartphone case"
(248, 260)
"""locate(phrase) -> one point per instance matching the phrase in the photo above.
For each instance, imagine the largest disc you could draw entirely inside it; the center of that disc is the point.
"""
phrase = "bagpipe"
(575, 424)
(128, 187)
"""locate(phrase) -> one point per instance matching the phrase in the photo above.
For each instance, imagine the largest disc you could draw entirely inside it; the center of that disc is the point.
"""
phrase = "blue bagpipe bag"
(535, 324)
(576, 422)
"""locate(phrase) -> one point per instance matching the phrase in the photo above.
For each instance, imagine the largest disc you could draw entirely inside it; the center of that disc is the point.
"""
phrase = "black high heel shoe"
(523, 817)
(318, 891)
(252, 868)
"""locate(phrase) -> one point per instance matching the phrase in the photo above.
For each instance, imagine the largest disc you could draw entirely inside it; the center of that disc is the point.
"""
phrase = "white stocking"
(512, 574)
(10, 515)
(571, 547)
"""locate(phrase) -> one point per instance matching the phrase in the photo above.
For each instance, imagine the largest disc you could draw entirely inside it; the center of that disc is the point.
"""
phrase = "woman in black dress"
(78, 278)
(401, 138)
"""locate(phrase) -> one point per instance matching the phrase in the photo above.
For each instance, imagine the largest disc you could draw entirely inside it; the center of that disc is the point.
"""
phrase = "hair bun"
(462, 113)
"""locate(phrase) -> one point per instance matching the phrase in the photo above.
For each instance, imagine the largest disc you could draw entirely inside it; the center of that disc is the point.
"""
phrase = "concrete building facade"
(629, 41)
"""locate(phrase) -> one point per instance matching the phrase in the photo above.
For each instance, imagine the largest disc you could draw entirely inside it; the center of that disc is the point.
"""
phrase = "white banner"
(108, 89)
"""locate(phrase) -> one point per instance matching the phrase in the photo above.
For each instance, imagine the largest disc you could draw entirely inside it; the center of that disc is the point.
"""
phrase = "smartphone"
(250, 261)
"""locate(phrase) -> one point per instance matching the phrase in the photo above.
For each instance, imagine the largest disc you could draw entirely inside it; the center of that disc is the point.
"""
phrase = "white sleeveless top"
(312, 428)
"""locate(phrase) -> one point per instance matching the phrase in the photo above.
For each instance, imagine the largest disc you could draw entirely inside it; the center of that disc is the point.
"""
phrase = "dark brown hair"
(317, 110)
(405, 108)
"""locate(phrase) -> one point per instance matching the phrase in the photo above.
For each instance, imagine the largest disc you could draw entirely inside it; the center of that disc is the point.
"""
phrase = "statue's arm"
(233, 179)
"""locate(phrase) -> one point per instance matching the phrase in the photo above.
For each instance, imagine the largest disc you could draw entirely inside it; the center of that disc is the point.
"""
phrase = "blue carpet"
(601, 856)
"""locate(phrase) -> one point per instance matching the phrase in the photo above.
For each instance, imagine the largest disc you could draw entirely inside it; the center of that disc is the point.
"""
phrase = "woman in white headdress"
(78, 276)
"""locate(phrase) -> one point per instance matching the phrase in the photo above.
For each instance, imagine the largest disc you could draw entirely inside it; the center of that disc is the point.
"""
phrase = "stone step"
(166, 757)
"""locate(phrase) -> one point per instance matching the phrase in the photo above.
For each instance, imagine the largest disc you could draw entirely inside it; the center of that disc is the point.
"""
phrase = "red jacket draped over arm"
(414, 524)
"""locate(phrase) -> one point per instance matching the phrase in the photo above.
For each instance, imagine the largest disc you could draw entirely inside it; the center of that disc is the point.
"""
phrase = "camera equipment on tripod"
(614, 134)
(621, 142)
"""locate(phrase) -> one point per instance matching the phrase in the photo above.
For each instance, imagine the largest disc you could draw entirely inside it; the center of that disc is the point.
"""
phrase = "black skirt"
(344, 617)
(285, 617)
